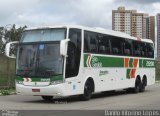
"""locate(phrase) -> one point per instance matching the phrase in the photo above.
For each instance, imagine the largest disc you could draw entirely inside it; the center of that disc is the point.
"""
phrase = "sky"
(93, 13)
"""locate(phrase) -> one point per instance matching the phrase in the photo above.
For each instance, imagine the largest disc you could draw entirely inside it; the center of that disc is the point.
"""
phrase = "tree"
(8, 35)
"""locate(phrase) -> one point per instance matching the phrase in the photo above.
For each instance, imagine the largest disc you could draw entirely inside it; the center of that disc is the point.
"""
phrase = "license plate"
(35, 90)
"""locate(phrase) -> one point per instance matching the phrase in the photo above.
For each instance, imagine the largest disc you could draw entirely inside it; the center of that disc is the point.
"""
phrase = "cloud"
(84, 12)
(142, 2)
(95, 13)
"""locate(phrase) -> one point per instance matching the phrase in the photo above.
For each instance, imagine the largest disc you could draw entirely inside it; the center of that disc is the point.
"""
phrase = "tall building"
(122, 20)
(135, 24)
(158, 35)
(152, 28)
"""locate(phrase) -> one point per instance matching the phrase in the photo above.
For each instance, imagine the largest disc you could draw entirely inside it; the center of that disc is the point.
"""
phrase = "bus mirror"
(63, 47)
(10, 49)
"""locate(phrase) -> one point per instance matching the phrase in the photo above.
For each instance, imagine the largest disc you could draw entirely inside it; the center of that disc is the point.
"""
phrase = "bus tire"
(88, 89)
(47, 98)
(138, 85)
(144, 84)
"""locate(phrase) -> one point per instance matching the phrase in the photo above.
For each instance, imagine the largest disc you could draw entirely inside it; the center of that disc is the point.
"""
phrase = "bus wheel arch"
(89, 88)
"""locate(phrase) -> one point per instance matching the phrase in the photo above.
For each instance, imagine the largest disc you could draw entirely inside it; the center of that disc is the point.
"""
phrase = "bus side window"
(136, 48)
(127, 47)
(150, 50)
(116, 45)
(74, 53)
(143, 46)
(90, 42)
(86, 42)
(103, 44)
(93, 45)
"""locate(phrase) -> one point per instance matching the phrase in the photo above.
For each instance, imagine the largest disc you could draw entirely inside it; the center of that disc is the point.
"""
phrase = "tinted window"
(127, 47)
(90, 42)
(150, 50)
(107, 44)
(117, 45)
(74, 53)
(137, 48)
(103, 44)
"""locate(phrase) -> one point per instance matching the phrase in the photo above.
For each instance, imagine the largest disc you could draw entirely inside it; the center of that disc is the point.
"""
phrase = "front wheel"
(87, 91)
(47, 98)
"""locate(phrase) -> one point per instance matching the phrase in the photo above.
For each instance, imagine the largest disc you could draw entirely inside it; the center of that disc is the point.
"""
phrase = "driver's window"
(74, 53)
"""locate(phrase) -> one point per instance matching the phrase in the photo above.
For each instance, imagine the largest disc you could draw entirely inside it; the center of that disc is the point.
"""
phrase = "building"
(139, 25)
(152, 28)
(158, 35)
(122, 20)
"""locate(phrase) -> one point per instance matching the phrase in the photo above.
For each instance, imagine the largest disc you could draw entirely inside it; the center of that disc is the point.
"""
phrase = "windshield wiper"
(45, 73)
(24, 72)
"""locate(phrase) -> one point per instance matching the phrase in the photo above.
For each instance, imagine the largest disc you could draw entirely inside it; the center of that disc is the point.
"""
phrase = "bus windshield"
(39, 35)
(41, 60)
(39, 53)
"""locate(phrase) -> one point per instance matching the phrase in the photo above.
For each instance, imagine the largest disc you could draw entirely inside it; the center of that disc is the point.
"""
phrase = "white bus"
(75, 60)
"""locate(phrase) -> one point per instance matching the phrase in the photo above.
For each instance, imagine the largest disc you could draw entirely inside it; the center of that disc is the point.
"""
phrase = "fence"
(7, 72)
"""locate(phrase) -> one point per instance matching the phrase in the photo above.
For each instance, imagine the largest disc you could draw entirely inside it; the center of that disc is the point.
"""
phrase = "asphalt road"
(148, 100)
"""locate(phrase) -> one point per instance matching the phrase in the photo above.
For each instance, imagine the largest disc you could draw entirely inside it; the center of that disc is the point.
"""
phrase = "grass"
(7, 91)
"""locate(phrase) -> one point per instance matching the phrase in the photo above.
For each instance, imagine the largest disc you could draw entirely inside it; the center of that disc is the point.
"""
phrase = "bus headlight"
(57, 82)
(19, 82)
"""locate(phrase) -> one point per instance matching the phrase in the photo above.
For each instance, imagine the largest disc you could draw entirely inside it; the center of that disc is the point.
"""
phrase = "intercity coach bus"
(76, 60)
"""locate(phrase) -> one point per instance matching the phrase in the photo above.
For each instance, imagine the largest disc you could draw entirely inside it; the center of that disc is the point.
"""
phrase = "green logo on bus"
(92, 61)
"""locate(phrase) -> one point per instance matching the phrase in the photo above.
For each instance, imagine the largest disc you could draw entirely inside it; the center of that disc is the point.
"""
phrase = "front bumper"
(51, 90)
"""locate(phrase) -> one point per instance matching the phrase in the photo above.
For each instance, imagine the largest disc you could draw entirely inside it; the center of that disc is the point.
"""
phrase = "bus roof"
(95, 29)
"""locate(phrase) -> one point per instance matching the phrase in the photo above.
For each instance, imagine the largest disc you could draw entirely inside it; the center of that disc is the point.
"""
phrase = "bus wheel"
(87, 91)
(138, 86)
(47, 98)
(144, 83)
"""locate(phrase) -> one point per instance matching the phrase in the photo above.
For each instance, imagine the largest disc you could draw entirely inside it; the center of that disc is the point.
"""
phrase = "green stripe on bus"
(41, 79)
(104, 61)
(140, 63)
(100, 61)
(131, 62)
(148, 63)
(111, 61)
(128, 73)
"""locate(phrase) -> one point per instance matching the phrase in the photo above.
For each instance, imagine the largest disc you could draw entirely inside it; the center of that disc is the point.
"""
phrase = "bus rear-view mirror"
(63, 47)
(11, 49)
